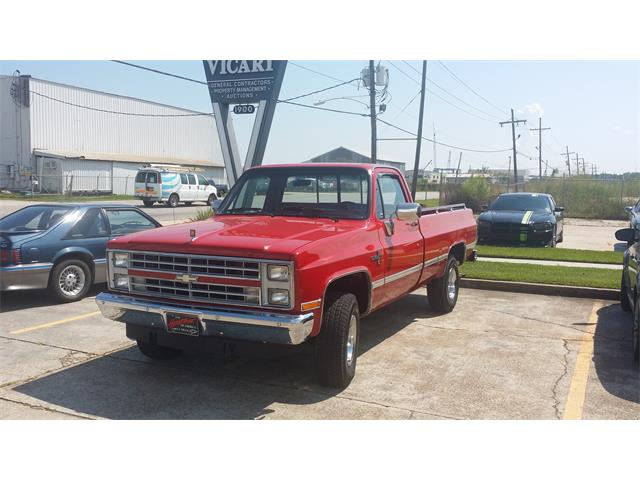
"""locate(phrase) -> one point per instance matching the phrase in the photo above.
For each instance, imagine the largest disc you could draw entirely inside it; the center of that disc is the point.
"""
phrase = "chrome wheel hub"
(451, 284)
(71, 280)
(351, 340)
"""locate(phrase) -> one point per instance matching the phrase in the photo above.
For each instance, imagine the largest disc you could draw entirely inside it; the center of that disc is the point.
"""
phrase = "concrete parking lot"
(497, 356)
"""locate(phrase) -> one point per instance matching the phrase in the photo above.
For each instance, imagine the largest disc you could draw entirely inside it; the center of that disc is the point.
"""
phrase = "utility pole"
(509, 175)
(540, 129)
(416, 163)
(513, 122)
(584, 172)
(458, 169)
(372, 111)
(568, 159)
(435, 165)
(577, 164)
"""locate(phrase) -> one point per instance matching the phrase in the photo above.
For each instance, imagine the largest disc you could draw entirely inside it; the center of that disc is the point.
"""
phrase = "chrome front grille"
(196, 265)
(196, 291)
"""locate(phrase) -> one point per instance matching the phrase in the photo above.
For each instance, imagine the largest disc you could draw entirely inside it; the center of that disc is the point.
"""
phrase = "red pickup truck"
(294, 253)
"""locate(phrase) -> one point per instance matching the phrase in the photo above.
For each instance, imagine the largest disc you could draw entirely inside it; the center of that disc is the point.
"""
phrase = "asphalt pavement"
(498, 355)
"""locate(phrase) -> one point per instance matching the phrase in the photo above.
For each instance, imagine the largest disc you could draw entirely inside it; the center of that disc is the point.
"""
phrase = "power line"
(315, 71)
(115, 112)
(320, 91)
(443, 144)
(160, 72)
(323, 108)
(438, 96)
(455, 96)
(471, 89)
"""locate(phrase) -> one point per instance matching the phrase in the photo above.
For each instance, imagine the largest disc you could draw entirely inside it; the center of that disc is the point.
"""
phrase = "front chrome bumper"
(240, 325)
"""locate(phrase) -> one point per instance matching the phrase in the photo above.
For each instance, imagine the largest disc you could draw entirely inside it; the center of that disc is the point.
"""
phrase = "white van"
(172, 185)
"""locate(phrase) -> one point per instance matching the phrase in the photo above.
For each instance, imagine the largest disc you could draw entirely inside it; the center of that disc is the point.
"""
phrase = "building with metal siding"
(71, 138)
(344, 155)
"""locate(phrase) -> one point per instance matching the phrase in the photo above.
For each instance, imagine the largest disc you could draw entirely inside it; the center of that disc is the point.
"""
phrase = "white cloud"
(534, 109)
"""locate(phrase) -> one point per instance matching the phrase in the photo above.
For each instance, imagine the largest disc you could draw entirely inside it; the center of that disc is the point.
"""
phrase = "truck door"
(402, 241)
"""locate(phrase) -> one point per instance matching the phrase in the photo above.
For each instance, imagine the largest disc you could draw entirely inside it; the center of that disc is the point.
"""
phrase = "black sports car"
(522, 218)
(629, 294)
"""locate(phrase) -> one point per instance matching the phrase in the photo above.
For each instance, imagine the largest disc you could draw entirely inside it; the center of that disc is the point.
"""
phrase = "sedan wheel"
(70, 280)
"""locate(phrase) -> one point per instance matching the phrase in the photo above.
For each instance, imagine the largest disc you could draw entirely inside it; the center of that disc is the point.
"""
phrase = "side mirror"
(628, 209)
(485, 207)
(559, 209)
(408, 212)
(626, 235)
(216, 204)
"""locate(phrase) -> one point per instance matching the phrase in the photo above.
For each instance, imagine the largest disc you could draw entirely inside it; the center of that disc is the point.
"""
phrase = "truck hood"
(233, 235)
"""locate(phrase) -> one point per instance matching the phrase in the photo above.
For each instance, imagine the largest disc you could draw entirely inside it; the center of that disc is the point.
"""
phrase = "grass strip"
(550, 275)
(555, 254)
(432, 202)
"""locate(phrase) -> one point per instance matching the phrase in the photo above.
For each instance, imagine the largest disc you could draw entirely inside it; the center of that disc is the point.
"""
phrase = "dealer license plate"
(182, 324)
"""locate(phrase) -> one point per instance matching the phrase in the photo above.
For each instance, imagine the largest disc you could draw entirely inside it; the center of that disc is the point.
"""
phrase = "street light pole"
(372, 111)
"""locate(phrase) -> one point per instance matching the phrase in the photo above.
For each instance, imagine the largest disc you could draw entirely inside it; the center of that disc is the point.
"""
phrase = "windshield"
(521, 203)
(301, 192)
(33, 219)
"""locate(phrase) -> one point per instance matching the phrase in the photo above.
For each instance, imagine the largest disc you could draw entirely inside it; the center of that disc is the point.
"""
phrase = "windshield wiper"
(303, 211)
(242, 210)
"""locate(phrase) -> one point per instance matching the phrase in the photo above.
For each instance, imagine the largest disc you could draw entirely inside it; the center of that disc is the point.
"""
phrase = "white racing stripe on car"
(526, 217)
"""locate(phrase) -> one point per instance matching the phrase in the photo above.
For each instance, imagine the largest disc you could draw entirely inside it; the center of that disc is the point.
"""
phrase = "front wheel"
(157, 352)
(212, 198)
(173, 200)
(336, 348)
(443, 292)
(70, 280)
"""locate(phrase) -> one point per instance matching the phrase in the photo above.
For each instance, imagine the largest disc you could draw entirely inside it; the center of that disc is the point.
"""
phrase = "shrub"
(474, 193)
(202, 214)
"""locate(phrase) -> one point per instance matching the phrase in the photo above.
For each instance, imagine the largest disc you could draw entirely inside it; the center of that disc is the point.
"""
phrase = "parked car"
(629, 294)
(522, 218)
(169, 186)
(634, 215)
(221, 188)
(62, 247)
(289, 266)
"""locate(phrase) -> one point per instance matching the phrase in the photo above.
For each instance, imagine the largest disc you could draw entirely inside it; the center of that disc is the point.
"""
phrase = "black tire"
(636, 331)
(554, 240)
(213, 197)
(157, 352)
(625, 304)
(561, 237)
(148, 203)
(336, 347)
(63, 276)
(173, 200)
(438, 290)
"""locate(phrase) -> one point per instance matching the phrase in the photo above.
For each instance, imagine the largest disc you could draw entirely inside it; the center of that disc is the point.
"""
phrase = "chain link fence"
(71, 184)
(581, 196)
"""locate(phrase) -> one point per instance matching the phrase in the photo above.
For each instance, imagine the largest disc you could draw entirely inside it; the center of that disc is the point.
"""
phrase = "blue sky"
(592, 106)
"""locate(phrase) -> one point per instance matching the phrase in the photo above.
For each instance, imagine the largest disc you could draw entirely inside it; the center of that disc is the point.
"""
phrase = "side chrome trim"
(408, 271)
(435, 260)
(26, 266)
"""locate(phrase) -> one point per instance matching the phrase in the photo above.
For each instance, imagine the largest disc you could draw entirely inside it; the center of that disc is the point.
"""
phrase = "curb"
(541, 289)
